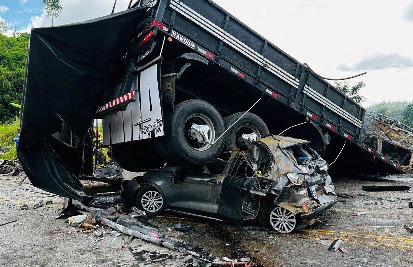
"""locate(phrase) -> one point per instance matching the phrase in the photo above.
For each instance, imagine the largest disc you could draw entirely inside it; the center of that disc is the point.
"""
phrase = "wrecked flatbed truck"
(172, 81)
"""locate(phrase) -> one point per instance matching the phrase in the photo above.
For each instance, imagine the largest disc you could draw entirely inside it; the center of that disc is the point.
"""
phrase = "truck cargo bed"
(204, 27)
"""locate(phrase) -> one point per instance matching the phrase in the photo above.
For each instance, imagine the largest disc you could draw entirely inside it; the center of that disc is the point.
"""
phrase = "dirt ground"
(371, 225)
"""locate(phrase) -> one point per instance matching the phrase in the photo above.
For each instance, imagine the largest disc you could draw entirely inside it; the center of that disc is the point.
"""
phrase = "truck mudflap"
(69, 70)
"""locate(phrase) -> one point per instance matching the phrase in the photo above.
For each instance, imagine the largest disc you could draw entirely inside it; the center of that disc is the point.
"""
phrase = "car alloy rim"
(200, 132)
(152, 201)
(282, 220)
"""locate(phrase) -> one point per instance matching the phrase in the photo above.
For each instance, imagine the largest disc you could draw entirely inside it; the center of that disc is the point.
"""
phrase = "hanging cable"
(245, 113)
(114, 6)
(130, 4)
(292, 127)
(345, 142)
(335, 79)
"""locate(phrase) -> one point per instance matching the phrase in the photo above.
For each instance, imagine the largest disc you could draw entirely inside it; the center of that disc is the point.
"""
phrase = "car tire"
(184, 140)
(150, 200)
(282, 220)
(248, 124)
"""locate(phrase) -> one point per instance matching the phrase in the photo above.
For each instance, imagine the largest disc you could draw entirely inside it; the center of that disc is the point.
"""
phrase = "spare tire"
(190, 133)
(249, 127)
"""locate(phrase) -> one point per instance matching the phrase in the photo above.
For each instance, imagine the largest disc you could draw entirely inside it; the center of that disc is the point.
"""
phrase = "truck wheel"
(282, 220)
(191, 132)
(150, 200)
(249, 127)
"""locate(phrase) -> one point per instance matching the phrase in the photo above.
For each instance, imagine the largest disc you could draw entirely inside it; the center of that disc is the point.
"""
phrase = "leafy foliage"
(3, 26)
(13, 54)
(7, 133)
(391, 109)
(352, 91)
(407, 117)
(53, 8)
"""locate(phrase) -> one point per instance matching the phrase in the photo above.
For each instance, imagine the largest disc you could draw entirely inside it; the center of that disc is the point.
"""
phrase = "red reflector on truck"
(332, 127)
(349, 137)
(272, 93)
(123, 99)
(157, 24)
(314, 117)
(147, 37)
(237, 72)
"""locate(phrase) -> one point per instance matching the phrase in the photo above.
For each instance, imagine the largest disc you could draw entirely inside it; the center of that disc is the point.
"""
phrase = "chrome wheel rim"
(152, 201)
(199, 132)
(282, 220)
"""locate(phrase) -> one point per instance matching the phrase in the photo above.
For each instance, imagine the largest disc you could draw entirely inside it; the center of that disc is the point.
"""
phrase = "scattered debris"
(9, 222)
(409, 228)
(246, 262)
(182, 227)
(54, 232)
(10, 168)
(378, 188)
(335, 245)
(355, 214)
(24, 207)
(155, 238)
(137, 213)
(110, 171)
(77, 220)
(391, 138)
(38, 205)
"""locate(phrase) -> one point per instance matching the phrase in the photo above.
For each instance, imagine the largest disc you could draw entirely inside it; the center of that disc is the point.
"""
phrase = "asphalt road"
(371, 225)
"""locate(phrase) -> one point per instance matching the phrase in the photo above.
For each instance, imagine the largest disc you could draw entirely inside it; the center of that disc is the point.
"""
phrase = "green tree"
(391, 109)
(408, 115)
(13, 54)
(3, 26)
(352, 91)
(53, 8)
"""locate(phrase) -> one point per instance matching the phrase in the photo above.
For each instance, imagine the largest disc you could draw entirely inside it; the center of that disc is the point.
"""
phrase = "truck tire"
(250, 124)
(190, 132)
(136, 156)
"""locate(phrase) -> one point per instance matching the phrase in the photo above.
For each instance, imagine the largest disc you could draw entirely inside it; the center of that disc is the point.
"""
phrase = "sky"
(336, 38)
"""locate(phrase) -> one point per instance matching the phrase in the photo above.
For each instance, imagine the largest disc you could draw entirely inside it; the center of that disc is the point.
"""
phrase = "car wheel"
(150, 200)
(282, 220)
(191, 131)
(248, 127)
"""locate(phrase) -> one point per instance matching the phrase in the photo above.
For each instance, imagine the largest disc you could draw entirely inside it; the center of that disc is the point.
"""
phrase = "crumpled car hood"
(296, 176)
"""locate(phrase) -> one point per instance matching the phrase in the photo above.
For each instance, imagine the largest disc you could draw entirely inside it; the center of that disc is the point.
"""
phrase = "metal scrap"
(296, 176)
(391, 138)
(379, 188)
(155, 238)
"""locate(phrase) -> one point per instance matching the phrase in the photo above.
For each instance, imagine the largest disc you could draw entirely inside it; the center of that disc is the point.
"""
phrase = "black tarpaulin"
(69, 69)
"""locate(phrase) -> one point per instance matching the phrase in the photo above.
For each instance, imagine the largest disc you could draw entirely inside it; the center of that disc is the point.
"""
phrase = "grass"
(7, 133)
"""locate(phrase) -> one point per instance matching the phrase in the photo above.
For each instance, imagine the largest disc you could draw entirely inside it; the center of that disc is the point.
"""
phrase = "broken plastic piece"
(77, 220)
(335, 245)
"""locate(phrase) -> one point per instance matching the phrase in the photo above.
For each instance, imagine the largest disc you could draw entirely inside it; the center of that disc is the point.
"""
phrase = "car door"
(196, 192)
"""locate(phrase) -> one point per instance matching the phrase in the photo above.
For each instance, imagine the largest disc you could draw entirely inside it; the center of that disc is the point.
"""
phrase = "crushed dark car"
(279, 181)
